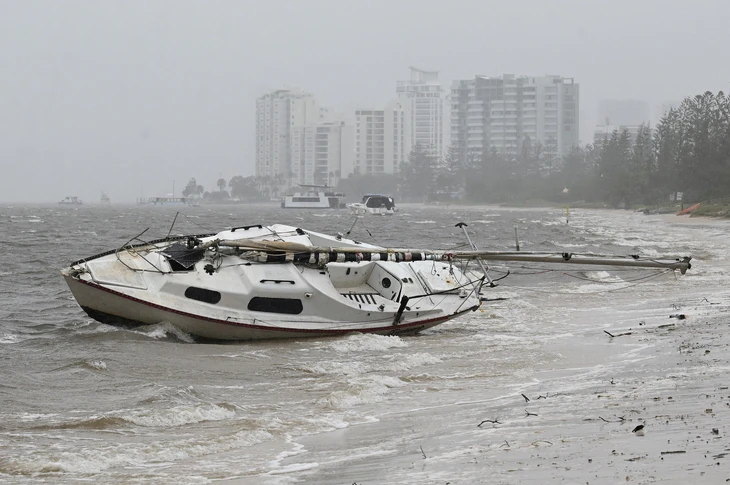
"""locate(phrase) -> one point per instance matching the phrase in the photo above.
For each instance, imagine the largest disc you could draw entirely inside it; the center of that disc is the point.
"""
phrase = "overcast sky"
(129, 96)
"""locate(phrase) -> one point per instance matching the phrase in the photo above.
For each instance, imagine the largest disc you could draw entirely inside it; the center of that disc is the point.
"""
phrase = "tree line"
(688, 152)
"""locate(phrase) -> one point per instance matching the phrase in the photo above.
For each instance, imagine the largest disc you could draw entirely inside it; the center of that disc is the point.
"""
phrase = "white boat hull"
(116, 308)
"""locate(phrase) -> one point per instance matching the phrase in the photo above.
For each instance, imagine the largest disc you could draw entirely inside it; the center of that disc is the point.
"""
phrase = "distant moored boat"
(71, 200)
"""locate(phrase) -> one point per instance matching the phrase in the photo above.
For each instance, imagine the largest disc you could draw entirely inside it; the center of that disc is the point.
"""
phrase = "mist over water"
(85, 401)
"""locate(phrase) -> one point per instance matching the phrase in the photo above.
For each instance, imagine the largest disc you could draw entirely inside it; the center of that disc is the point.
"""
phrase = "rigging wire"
(552, 292)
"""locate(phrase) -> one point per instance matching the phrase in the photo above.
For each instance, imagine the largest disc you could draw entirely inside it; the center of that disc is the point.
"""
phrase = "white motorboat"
(313, 197)
(279, 281)
(381, 205)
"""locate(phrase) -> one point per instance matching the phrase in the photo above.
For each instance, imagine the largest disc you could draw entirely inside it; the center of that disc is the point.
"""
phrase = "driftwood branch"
(527, 399)
(534, 443)
(422, 452)
(528, 413)
(493, 421)
(617, 335)
(621, 419)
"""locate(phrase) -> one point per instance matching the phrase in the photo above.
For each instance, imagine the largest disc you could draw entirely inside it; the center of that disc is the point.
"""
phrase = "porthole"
(385, 282)
(201, 294)
(290, 306)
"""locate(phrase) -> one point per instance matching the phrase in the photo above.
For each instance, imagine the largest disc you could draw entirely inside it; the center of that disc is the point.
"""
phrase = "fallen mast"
(276, 251)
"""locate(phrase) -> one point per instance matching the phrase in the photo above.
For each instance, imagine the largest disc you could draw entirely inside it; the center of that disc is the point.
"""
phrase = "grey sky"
(127, 96)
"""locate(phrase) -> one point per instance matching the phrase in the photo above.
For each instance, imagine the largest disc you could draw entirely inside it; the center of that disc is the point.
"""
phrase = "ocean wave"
(149, 418)
(179, 416)
(364, 390)
(101, 457)
(365, 342)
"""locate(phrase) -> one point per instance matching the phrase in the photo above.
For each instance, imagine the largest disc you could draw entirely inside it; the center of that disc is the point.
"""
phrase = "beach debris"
(422, 452)
(527, 399)
(543, 397)
(673, 452)
(715, 431)
(639, 430)
(676, 306)
(678, 316)
(617, 335)
(528, 413)
(506, 443)
(493, 421)
(621, 419)
(535, 443)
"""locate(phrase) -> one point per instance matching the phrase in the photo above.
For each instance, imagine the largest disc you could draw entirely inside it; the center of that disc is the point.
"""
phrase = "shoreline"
(678, 391)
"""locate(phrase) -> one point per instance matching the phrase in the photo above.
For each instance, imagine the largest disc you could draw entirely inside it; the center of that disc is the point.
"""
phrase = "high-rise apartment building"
(382, 138)
(321, 153)
(298, 139)
(276, 114)
(501, 112)
(427, 102)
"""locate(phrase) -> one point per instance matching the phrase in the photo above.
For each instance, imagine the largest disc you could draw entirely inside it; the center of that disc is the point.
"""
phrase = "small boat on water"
(380, 205)
(313, 197)
(279, 281)
(71, 200)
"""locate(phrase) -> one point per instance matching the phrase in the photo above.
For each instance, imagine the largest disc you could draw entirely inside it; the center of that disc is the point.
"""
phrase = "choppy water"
(81, 401)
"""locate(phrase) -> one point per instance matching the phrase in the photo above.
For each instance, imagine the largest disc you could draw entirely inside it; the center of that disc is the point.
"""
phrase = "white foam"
(294, 467)
(96, 364)
(368, 342)
(9, 338)
(164, 330)
(35, 416)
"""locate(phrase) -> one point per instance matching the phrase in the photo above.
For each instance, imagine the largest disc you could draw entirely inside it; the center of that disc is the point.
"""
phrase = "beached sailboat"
(280, 281)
